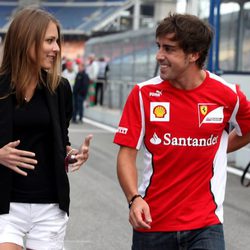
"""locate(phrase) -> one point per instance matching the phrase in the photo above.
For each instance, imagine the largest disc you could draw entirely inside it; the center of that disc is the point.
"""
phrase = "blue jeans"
(209, 238)
(78, 108)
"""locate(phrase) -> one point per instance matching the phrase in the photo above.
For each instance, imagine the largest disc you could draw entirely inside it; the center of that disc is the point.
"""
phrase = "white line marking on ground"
(100, 125)
(88, 131)
(236, 171)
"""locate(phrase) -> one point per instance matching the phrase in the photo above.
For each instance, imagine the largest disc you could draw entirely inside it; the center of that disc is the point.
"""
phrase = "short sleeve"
(131, 128)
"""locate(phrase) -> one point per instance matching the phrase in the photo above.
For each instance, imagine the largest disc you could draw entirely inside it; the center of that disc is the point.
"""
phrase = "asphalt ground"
(99, 212)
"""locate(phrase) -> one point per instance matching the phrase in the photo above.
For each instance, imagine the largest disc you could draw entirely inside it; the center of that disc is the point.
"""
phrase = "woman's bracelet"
(71, 150)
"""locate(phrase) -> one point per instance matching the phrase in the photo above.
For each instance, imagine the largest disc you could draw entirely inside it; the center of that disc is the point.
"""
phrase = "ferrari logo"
(209, 113)
(203, 110)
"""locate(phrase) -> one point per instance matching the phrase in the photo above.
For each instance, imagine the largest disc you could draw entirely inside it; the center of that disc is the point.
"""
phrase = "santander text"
(189, 141)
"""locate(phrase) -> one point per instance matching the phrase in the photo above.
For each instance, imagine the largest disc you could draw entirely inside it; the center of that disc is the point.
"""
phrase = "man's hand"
(139, 215)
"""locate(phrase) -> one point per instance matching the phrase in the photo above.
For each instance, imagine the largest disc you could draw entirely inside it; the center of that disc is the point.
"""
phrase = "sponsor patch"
(210, 113)
(169, 140)
(155, 139)
(122, 130)
(159, 111)
(157, 93)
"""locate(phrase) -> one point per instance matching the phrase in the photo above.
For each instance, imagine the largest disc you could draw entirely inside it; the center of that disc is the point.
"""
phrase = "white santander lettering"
(189, 141)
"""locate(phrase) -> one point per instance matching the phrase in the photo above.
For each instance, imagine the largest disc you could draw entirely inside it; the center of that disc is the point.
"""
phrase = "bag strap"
(244, 176)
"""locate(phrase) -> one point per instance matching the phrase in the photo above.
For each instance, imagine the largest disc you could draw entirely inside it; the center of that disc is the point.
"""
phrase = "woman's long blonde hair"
(28, 29)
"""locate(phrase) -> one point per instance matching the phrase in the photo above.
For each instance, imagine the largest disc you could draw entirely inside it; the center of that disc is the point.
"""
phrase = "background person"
(181, 118)
(35, 111)
(102, 77)
(80, 91)
(92, 71)
(70, 72)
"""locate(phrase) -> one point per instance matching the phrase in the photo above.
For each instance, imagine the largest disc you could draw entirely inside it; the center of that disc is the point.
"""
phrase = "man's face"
(172, 60)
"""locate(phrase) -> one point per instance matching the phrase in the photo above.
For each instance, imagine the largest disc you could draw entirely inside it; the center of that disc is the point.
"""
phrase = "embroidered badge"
(159, 111)
(210, 113)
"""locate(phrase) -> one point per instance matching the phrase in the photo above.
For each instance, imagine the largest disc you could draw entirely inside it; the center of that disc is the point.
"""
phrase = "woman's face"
(49, 48)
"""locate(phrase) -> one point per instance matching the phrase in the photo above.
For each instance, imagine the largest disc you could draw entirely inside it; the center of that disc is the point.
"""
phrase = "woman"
(35, 111)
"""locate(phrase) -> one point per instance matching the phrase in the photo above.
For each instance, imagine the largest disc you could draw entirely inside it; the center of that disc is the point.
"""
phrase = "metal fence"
(131, 57)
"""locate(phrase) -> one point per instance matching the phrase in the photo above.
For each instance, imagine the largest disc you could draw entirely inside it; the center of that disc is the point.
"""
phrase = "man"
(80, 91)
(182, 119)
(69, 73)
(101, 80)
(92, 71)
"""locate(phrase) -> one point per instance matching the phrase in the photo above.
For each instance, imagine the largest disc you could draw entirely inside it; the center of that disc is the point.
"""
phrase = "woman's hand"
(16, 159)
(81, 155)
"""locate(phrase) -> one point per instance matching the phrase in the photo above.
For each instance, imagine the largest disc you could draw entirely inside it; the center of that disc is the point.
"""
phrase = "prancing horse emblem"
(203, 109)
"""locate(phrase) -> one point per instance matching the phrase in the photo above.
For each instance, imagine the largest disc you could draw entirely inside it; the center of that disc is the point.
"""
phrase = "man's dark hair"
(191, 33)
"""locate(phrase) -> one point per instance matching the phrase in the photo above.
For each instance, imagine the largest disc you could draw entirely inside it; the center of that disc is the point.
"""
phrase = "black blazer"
(60, 108)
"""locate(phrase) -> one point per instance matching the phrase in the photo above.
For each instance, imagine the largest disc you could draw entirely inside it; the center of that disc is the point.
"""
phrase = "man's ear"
(193, 57)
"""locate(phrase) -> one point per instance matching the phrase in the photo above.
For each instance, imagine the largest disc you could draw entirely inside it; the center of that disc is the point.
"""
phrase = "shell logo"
(159, 111)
